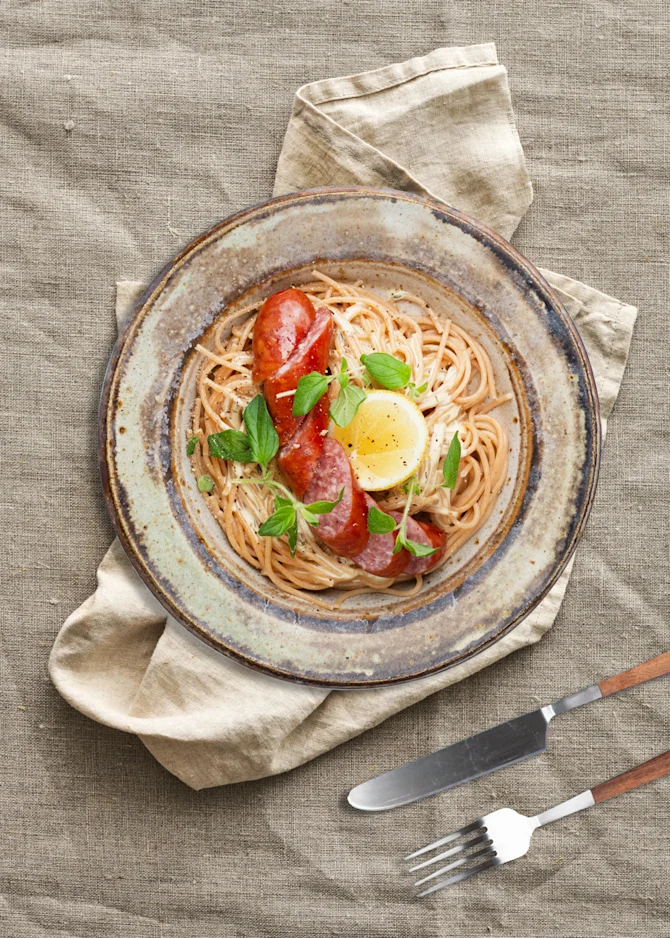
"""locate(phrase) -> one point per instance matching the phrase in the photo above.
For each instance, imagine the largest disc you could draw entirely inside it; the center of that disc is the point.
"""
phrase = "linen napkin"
(442, 126)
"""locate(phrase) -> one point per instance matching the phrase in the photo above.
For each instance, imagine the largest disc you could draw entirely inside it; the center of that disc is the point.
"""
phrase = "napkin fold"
(442, 126)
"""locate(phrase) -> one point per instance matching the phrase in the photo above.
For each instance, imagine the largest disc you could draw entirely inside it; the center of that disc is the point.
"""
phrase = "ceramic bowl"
(390, 240)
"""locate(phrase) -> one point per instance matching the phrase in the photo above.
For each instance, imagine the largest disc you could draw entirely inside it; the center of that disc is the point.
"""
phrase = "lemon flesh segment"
(386, 441)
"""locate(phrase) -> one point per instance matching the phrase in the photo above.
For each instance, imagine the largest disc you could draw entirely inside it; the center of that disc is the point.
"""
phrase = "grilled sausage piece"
(378, 557)
(299, 457)
(282, 323)
(311, 354)
(345, 529)
(423, 532)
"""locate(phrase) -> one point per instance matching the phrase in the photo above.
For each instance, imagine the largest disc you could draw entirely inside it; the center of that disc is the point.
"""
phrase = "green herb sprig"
(263, 439)
(284, 520)
(451, 463)
(401, 540)
(416, 392)
(345, 406)
(392, 373)
(259, 445)
(379, 522)
(206, 483)
(313, 386)
(389, 372)
(230, 444)
(260, 442)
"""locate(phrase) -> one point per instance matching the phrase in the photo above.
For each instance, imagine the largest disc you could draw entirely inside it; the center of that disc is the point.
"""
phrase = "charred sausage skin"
(310, 354)
(282, 322)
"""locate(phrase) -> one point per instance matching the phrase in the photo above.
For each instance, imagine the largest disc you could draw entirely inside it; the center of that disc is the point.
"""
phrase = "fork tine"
(459, 877)
(451, 852)
(488, 848)
(446, 840)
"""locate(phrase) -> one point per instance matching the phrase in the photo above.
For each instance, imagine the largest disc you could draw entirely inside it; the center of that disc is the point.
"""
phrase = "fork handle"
(655, 667)
(633, 778)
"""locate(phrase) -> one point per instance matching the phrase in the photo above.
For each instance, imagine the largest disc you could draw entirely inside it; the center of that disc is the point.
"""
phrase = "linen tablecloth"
(440, 125)
(105, 173)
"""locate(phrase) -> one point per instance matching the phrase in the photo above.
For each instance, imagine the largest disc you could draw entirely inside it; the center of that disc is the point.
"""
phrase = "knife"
(493, 749)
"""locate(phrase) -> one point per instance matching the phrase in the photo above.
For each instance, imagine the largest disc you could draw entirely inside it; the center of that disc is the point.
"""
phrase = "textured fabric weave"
(212, 722)
(127, 129)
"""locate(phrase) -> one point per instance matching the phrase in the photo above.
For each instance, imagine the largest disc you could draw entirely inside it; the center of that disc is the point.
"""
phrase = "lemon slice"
(386, 441)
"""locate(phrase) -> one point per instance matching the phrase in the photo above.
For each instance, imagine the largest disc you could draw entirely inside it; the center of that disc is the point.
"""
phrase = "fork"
(505, 834)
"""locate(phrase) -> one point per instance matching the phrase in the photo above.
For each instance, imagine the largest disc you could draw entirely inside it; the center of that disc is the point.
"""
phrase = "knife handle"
(633, 778)
(655, 667)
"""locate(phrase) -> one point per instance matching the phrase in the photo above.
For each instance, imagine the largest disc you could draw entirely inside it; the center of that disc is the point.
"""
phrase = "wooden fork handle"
(633, 778)
(656, 667)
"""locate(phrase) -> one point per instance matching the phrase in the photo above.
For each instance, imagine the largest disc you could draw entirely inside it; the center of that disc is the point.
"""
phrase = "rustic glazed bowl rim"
(514, 260)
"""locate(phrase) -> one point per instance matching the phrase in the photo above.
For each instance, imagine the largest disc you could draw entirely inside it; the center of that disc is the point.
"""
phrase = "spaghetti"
(458, 393)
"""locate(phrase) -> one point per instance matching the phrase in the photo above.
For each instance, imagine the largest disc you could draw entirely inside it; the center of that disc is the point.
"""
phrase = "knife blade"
(496, 748)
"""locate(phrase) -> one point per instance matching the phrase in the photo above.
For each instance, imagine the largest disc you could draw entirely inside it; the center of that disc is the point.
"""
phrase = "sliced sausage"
(299, 457)
(283, 321)
(344, 530)
(311, 354)
(423, 532)
(437, 539)
(378, 557)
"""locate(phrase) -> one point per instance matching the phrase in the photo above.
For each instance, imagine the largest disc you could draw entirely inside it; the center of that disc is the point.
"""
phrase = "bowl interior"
(382, 610)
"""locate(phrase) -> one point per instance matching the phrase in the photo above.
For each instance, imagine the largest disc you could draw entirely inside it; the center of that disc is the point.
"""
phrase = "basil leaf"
(191, 445)
(311, 389)
(230, 444)
(309, 516)
(263, 438)
(324, 507)
(388, 371)
(343, 377)
(278, 523)
(293, 538)
(205, 483)
(400, 538)
(281, 502)
(419, 550)
(346, 404)
(412, 487)
(379, 522)
(417, 392)
(451, 463)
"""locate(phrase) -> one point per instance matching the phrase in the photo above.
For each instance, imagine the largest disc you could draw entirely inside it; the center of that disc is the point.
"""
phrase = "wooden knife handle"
(656, 667)
(633, 778)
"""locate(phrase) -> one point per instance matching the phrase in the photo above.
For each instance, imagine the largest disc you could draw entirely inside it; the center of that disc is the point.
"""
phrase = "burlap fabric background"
(211, 721)
(126, 131)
